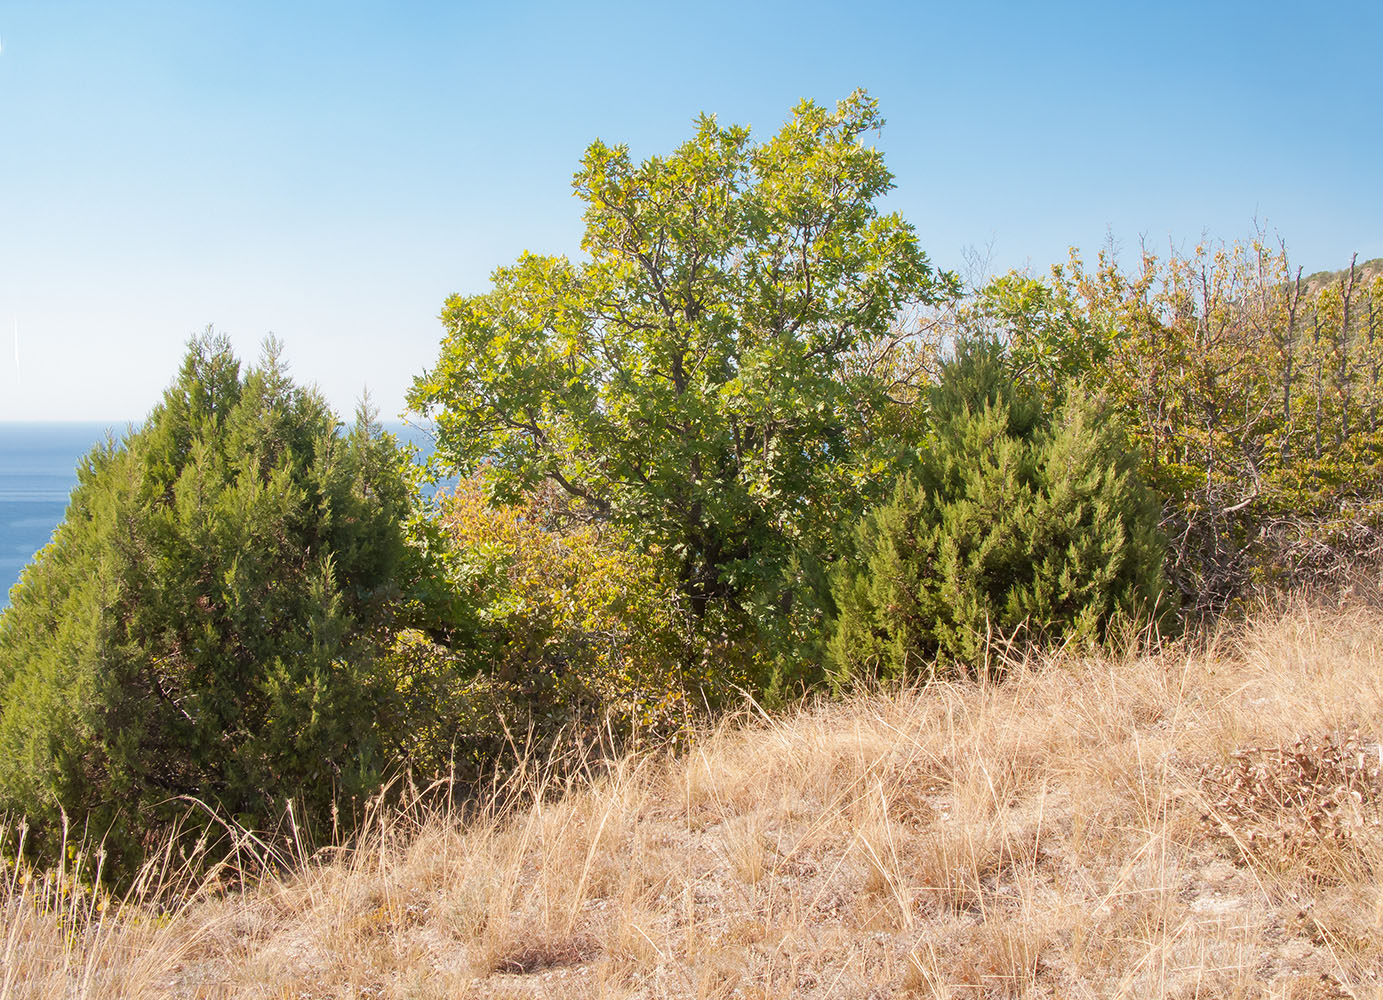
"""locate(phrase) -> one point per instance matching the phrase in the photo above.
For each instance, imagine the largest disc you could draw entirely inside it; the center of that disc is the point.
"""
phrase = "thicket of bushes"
(754, 444)
(1252, 393)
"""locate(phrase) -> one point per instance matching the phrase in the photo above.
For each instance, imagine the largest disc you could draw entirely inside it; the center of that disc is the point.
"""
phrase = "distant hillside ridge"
(1364, 271)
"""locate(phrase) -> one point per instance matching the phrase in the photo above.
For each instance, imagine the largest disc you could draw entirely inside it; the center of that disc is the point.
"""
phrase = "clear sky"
(330, 172)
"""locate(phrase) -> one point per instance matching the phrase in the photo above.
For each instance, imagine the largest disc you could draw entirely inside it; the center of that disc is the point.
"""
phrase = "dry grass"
(1204, 822)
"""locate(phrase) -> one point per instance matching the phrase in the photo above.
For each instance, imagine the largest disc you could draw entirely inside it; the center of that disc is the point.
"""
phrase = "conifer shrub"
(214, 619)
(1016, 523)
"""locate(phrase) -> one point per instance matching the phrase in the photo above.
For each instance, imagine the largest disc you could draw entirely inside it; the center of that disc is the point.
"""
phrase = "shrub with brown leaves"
(1281, 803)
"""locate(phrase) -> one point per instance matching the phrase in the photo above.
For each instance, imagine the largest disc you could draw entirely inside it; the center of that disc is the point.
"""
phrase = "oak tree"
(690, 379)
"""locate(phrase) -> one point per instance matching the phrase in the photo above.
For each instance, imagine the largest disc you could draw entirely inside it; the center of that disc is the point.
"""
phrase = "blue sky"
(330, 172)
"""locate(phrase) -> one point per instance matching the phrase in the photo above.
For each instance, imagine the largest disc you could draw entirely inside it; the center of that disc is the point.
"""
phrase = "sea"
(38, 470)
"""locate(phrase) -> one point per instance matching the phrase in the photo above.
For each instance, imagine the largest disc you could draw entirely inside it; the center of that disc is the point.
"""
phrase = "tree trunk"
(1289, 349)
(1320, 374)
(1347, 288)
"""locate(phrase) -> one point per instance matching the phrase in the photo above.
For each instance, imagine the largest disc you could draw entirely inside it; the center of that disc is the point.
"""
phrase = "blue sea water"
(38, 469)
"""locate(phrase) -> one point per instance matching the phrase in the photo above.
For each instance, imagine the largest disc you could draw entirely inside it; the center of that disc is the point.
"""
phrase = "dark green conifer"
(212, 618)
(1014, 524)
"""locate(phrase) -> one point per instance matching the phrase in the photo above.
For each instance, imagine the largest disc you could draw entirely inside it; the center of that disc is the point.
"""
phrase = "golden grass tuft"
(1203, 821)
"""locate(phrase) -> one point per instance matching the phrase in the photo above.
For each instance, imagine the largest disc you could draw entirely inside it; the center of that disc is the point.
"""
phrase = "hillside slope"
(1364, 272)
(1196, 823)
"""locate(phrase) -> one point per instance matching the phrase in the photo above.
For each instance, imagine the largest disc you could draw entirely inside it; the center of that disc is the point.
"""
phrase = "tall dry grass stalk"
(1201, 822)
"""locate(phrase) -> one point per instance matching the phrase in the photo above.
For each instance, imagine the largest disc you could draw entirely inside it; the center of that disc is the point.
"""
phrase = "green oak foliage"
(690, 380)
(1017, 522)
(211, 618)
